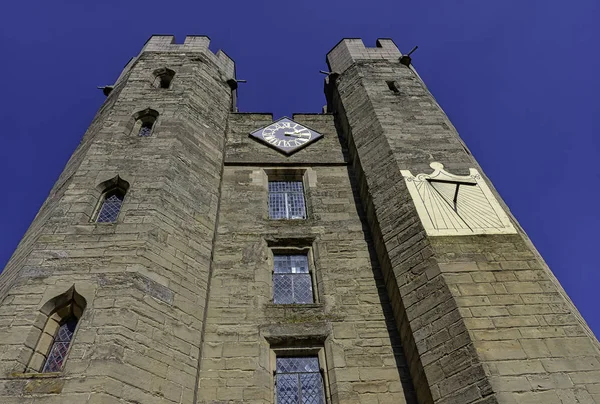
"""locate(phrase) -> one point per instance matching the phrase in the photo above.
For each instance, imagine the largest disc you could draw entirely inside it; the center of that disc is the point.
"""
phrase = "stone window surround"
(52, 314)
(309, 245)
(146, 117)
(105, 188)
(162, 78)
(393, 86)
(110, 208)
(289, 250)
(305, 174)
(309, 350)
(287, 200)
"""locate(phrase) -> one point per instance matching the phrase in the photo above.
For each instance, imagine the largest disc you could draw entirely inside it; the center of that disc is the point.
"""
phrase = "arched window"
(144, 122)
(111, 206)
(111, 201)
(146, 129)
(60, 345)
(163, 77)
(62, 315)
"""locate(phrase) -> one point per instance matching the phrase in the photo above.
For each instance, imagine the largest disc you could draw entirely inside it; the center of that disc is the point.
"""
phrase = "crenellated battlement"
(192, 43)
(179, 259)
(350, 50)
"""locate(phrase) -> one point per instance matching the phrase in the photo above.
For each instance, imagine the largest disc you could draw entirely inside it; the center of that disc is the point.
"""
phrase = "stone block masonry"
(174, 300)
(144, 277)
(482, 318)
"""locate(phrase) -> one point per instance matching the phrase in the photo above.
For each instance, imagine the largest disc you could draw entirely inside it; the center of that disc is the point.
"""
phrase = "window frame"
(306, 250)
(63, 322)
(102, 200)
(393, 86)
(147, 126)
(301, 175)
(144, 118)
(288, 204)
(307, 351)
(102, 190)
(56, 312)
(161, 75)
(146, 121)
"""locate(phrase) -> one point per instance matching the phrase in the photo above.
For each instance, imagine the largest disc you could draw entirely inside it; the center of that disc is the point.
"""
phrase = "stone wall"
(145, 277)
(481, 317)
(352, 319)
(177, 294)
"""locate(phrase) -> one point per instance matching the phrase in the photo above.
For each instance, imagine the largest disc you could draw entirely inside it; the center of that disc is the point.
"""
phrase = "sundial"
(450, 204)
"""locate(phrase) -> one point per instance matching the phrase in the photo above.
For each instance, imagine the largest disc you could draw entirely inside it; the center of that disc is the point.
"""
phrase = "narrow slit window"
(299, 380)
(286, 200)
(60, 346)
(61, 314)
(144, 122)
(393, 86)
(146, 129)
(292, 280)
(163, 77)
(165, 82)
(111, 206)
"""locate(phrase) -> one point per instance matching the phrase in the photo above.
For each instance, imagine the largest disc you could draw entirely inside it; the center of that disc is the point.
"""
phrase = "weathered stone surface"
(179, 292)
(518, 321)
(147, 275)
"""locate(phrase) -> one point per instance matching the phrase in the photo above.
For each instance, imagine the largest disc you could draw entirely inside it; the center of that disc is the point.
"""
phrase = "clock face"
(286, 136)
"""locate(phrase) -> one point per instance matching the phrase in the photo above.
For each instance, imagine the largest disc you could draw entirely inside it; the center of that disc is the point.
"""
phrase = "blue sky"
(518, 79)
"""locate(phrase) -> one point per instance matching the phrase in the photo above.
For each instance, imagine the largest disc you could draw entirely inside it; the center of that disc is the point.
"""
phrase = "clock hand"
(297, 133)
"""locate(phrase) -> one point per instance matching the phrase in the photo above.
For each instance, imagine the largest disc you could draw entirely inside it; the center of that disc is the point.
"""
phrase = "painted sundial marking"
(450, 204)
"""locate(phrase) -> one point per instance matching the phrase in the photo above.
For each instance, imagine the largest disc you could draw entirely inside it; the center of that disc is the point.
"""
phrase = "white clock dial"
(286, 135)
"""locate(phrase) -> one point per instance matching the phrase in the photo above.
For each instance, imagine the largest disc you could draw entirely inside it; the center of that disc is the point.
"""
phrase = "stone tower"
(190, 254)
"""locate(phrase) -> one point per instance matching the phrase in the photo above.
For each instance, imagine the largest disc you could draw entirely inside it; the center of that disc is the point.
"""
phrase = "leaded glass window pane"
(145, 130)
(299, 381)
(60, 346)
(292, 282)
(111, 206)
(286, 200)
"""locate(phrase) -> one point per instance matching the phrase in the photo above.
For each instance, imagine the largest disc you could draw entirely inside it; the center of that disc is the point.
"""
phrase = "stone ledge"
(294, 306)
(298, 334)
(295, 313)
(35, 375)
(34, 383)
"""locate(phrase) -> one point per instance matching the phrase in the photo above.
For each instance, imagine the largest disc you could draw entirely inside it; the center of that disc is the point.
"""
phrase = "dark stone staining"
(139, 282)
(44, 386)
